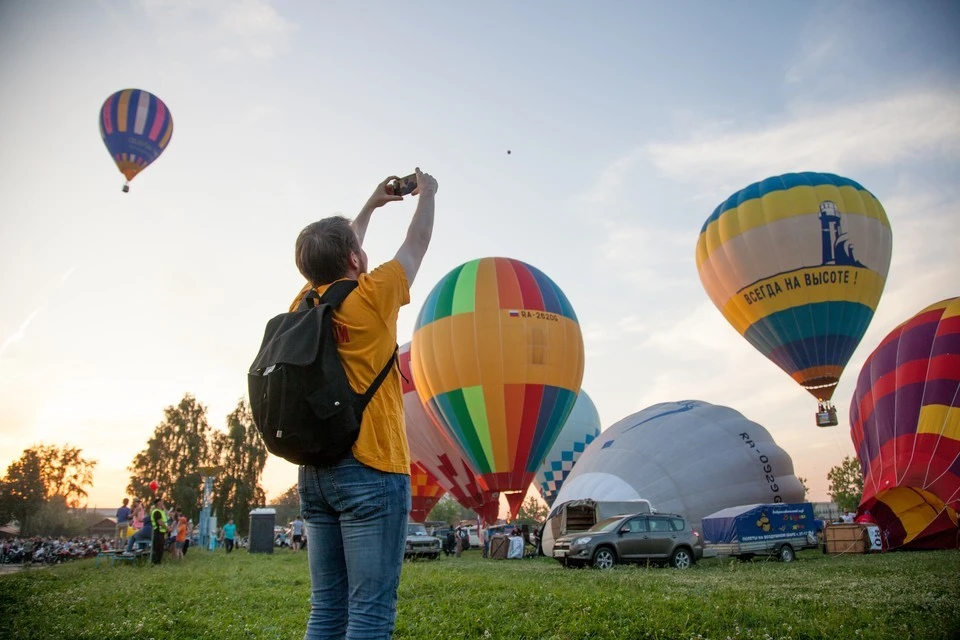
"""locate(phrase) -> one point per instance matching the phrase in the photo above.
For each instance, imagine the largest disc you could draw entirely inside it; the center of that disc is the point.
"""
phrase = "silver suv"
(660, 537)
(419, 544)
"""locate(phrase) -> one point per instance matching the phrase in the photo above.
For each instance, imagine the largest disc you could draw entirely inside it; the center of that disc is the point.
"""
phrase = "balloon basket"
(126, 188)
(826, 415)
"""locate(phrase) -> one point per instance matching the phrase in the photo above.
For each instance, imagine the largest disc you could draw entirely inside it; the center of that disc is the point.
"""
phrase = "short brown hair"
(323, 250)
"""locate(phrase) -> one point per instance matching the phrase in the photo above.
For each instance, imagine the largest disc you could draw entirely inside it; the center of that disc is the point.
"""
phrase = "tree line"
(47, 486)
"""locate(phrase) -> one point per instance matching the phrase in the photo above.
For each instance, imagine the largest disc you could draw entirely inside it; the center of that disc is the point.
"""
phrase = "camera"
(404, 186)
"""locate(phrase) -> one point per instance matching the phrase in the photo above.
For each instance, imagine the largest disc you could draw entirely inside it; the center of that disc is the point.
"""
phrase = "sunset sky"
(627, 124)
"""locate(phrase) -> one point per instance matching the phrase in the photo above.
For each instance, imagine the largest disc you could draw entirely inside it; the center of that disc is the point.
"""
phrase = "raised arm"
(411, 252)
(381, 196)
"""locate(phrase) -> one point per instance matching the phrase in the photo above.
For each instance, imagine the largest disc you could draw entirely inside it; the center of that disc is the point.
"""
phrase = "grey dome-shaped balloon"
(691, 458)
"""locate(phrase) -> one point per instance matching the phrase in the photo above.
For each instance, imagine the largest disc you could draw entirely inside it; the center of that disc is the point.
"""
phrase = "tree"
(532, 512)
(287, 505)
(42, 473)
(450, 511)
(241, 456)
(180, 445)
(846, 484)
(806, 489)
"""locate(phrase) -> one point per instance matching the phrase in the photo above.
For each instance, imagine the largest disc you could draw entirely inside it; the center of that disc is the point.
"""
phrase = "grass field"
(211, 595)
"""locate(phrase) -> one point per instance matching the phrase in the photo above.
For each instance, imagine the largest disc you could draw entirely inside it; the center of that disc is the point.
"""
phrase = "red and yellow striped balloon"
(425, 492)
(497, 359)
(905, 425)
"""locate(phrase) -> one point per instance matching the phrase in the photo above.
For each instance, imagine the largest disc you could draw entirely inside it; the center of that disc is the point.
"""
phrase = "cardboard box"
(845, 538)
(499, 547)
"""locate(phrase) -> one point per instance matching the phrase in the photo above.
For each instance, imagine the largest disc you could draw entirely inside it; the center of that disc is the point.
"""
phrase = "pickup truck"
(778, 530)
(419, 544)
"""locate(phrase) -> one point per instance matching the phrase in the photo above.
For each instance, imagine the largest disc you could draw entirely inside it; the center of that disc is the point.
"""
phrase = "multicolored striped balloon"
(425, 492)
(497, 358)
(136, 127)
(580, 429)
(796, 263)
(905, 425)
(435, 452)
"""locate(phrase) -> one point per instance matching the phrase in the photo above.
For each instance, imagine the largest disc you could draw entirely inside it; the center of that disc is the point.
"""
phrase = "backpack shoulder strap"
(334, 295)
(364, 399)
(337, 292)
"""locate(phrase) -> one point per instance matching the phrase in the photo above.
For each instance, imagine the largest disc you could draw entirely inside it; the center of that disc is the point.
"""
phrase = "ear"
(354, 261)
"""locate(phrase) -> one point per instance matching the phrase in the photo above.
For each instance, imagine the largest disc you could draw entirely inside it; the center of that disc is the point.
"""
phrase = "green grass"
(897, 595)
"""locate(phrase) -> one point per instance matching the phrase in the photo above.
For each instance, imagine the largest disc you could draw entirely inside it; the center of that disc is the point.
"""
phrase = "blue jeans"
(356, 520)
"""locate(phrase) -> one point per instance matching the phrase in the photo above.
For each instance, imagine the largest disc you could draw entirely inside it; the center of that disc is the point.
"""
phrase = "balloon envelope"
(796, 263)
(691, 458)
(437, 454)
(497, 359)
(580, 429)
(905, 425)
(136, 127)
(425, 492)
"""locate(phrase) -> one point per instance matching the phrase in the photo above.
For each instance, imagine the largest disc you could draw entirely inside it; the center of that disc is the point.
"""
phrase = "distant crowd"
(39, 550)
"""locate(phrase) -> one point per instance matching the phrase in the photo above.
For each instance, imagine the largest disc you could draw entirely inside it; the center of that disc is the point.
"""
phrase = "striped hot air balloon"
(438, 455)
(136, 127)
(796, 263)
(497, 359)
(905, 425)
(425, 492)
(580, 429)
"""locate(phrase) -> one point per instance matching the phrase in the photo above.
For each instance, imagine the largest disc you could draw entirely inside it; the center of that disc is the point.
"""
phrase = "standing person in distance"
(158, 518)
(356, 508)
(297, 532)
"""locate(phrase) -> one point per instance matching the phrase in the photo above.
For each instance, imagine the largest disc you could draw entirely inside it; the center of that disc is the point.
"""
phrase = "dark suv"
(654, 537)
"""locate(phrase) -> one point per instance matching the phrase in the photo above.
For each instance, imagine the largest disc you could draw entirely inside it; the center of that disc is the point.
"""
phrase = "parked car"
(661, 538)
(579, 515)
(419, 544)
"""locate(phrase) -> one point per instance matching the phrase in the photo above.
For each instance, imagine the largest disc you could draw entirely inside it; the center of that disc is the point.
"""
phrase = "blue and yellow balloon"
(796, 263)
(136, 127)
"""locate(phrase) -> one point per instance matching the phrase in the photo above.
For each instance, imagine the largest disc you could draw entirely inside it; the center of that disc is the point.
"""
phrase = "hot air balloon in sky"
(497, 359)
(425, 492)
(796, 263)
(691, 458)
(436, 453)
(580, 429)
(905, 425)
(136, 127)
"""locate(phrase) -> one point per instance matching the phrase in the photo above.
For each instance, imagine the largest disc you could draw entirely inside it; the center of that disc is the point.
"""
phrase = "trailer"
(745, 531)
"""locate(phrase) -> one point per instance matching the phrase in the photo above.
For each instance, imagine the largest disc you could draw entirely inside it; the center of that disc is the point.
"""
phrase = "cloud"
(67, 274)
(867, 134)
(19, 334)
(231, 30)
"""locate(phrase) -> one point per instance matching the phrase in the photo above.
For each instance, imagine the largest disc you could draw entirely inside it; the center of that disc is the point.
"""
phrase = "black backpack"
(301, 400)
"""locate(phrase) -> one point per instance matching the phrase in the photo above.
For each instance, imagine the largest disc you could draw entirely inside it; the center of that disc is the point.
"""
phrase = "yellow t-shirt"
(366, 327)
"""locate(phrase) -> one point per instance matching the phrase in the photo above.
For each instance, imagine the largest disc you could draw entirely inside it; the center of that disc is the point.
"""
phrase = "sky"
(626, 123)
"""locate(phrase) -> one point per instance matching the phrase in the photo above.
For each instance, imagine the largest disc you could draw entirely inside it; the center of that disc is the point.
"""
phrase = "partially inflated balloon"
(497, 358)
(796, 263)
(580, 429)
(691, 458)
(905, 425)
(136, 127)
(437, 454)
(425, 492)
